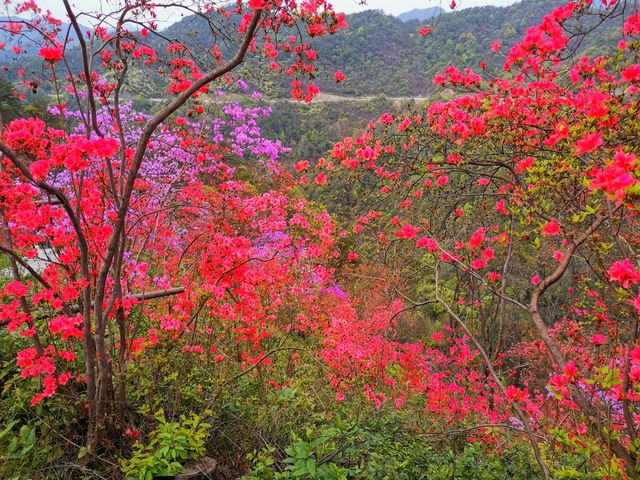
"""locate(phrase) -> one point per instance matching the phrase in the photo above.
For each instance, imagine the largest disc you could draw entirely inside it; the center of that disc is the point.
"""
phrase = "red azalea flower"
(51, 54)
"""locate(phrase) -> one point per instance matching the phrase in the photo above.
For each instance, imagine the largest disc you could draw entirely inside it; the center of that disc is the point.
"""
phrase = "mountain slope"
(421, 14)
(30, 42)
(382, 54)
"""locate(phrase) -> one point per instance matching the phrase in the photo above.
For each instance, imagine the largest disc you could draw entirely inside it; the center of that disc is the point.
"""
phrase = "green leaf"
(311, 467)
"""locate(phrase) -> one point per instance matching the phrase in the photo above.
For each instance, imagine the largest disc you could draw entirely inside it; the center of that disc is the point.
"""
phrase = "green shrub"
(170, 445)
(305, 458)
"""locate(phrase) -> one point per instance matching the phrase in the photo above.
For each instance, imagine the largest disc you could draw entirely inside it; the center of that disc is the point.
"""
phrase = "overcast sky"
(393, 7)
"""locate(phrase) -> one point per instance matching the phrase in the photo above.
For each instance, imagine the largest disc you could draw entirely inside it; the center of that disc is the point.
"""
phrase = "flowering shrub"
(541, 159)
(127, 230)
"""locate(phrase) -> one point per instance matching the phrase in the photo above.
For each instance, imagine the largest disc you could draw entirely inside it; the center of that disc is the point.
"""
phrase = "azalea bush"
(510, 213)
(126, 231)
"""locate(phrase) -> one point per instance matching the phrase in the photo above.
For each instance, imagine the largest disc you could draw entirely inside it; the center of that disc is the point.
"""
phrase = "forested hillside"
(382, 54)
(379, 53)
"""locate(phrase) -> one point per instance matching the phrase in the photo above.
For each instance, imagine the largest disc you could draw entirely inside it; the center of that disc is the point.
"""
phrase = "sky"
(393, 7)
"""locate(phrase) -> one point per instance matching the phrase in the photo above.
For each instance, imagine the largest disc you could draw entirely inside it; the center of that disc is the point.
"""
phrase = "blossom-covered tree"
(121, 215)
(542, 159)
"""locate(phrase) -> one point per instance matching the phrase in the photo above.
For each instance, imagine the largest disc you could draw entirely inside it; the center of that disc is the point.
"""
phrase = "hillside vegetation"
(382, 54)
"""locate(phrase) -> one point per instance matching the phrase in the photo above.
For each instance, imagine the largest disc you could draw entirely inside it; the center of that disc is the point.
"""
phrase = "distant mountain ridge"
(421, 14)
(30, 42)
(384, 55)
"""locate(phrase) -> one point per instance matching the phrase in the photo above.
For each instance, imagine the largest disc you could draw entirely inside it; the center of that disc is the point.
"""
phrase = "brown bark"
(583, 403)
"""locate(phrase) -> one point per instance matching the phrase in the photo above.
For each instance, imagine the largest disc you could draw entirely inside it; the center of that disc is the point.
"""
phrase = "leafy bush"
(171, 445)
(383, 446)
(307, 457)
